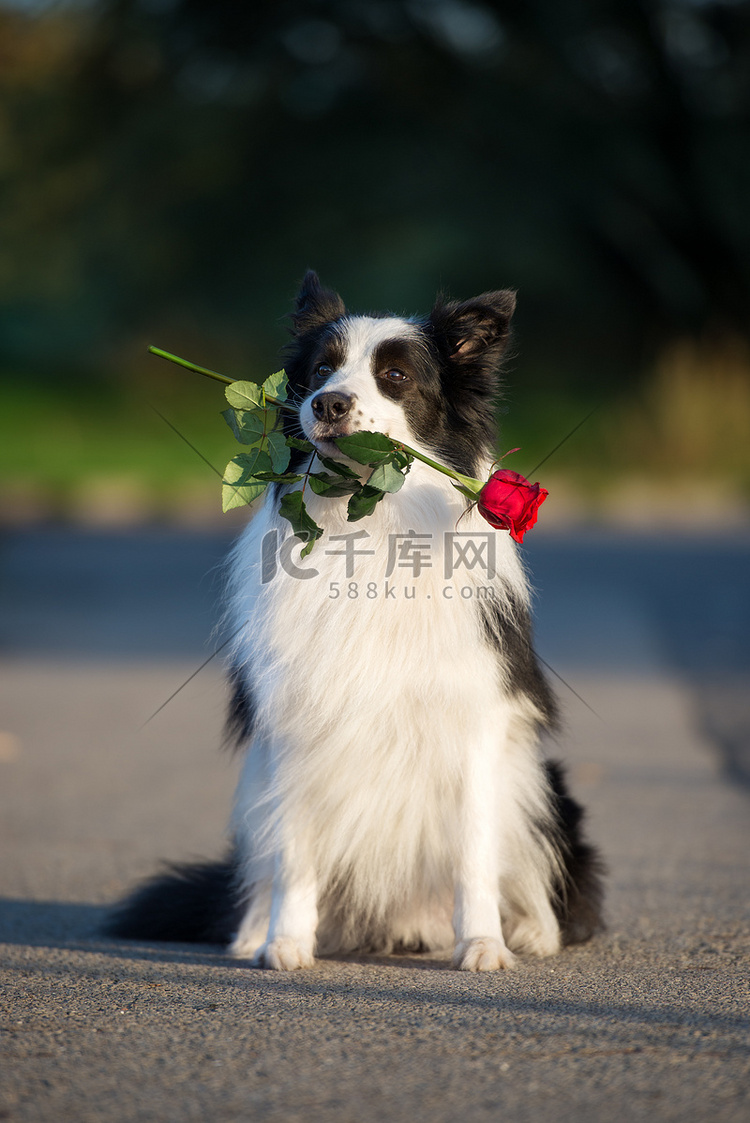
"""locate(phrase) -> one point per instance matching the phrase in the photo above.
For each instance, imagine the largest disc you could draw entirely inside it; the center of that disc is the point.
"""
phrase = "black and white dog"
(386, 693)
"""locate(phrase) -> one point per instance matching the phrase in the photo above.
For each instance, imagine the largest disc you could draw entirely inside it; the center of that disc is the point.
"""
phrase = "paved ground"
(650, 1021)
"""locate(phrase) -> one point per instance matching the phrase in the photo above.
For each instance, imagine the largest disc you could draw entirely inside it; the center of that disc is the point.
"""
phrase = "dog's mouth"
(324, 437)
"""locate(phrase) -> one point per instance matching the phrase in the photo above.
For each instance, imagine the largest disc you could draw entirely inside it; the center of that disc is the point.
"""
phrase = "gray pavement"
(648, 1022)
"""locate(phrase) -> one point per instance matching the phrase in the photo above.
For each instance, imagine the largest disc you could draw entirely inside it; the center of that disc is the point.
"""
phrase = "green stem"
(215, 375)
(468, 482)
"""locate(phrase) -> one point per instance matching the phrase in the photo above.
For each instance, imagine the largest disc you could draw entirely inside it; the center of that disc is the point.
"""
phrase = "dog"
(393, 795)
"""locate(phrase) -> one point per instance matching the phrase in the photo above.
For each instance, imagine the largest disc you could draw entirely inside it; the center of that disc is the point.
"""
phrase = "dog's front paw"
(483, 953)
(282, 954)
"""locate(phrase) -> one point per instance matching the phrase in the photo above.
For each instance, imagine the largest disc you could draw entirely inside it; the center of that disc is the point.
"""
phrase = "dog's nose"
(331, 406)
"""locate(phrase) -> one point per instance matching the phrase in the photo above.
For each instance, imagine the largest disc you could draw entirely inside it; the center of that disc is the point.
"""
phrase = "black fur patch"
(455, 413)
(470, 338)
(184, 904)
(509, 631)
(421, 397)
(579, 893)
(240, 719)
(315, 305)
(303, 356)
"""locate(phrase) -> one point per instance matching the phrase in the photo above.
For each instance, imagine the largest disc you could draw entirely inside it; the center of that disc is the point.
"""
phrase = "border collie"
(387, 698)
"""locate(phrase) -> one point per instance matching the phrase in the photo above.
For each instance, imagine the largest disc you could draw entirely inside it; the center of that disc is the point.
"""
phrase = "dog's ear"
(315, 305)
(474, 330)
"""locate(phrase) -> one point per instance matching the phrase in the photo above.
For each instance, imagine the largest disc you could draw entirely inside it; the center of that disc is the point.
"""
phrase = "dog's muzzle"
(331, 407)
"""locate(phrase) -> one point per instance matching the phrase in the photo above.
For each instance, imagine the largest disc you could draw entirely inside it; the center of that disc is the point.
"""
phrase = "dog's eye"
(323, 370)
(395, 376)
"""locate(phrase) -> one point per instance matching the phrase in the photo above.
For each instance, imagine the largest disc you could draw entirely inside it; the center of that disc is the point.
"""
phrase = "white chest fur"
(376, 696)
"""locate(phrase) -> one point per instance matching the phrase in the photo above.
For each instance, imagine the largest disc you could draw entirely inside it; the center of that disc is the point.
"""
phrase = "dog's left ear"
(475, 329)
(315, 305)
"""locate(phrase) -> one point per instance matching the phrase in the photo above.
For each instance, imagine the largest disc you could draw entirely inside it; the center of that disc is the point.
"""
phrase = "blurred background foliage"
(169, 169)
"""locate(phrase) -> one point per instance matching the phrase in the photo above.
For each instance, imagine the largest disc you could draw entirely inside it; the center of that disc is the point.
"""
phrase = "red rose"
(509, 502)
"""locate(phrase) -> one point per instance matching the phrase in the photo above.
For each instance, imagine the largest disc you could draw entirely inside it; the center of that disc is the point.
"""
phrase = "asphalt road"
(649, 1021)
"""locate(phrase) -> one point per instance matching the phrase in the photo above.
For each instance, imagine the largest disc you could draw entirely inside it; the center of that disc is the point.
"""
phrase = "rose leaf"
(366, 448)
(363, 503)
(247, 425)
(276, 385)
(278, 450)
(324, 484)
(386, 477)
(300, 444)
(339, 468)
(240, 486)
(244, 395)
(292, 508)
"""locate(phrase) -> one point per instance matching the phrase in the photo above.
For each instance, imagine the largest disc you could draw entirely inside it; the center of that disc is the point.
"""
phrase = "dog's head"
(432, 381)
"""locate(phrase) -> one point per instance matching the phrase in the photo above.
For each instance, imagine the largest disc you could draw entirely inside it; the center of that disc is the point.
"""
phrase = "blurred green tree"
(180, 162)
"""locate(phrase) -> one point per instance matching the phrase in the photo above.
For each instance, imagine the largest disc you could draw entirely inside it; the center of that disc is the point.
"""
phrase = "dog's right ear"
(315, 305)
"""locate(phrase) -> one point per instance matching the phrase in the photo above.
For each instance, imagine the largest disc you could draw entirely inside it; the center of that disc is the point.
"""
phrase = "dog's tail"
(185, 903)
(579, 893)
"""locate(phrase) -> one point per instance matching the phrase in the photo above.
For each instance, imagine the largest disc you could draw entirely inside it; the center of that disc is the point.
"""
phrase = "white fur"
(391, 786)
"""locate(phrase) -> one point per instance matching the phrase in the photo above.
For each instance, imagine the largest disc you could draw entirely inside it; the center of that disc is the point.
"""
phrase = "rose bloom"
(509, 502)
